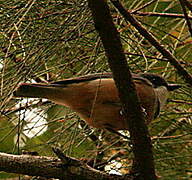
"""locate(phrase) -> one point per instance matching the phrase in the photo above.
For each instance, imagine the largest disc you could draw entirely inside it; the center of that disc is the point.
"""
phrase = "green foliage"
(52, 40)
(7, 134)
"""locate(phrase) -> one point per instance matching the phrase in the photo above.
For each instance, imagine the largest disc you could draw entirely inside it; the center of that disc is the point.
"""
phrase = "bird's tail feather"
(34, 90)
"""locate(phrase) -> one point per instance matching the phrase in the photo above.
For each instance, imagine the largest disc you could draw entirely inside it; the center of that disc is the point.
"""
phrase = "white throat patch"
(162, 95)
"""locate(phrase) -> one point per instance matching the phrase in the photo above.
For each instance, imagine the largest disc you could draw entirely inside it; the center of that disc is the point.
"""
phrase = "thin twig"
(144, 6)
(180, 101)
(153, 57)
(169, 15)
(15, 110)
(168, 137)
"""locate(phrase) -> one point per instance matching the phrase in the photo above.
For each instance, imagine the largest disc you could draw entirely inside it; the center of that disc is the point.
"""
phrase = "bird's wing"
(92, 77)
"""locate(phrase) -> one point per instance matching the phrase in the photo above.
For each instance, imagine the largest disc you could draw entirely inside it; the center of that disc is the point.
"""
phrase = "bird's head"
(158, 81)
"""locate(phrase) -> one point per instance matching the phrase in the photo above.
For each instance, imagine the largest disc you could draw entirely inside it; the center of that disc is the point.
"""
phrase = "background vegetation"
(51, 40)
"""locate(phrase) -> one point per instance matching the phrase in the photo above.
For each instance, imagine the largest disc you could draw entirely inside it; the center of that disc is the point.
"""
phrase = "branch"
(50, 167)
(127, 15)
(153, 57)
(142, 147)
(188, 4)
(169, 15)
(182, 2)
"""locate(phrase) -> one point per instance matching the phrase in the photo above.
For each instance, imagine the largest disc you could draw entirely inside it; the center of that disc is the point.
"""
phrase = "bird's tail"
(34, 90)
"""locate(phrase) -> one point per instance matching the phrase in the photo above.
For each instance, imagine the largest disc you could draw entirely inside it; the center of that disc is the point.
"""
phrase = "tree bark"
(142, 147)
(51, 167)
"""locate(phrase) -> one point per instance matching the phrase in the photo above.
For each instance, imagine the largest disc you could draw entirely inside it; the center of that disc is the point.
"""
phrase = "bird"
(95, 99)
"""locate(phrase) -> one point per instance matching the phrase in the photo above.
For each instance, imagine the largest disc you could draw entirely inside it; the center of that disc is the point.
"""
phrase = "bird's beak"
(172, 87)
